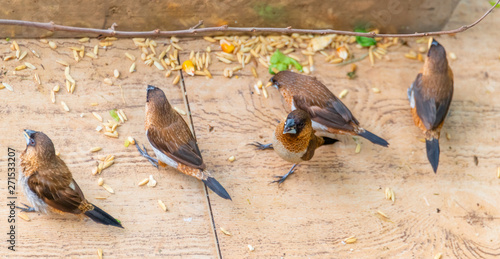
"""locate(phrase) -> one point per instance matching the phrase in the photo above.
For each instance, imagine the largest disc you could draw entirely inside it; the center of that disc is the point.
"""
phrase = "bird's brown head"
(283, 79)
(156, 98)
(296, 122)
(38, 145)
(436, 57)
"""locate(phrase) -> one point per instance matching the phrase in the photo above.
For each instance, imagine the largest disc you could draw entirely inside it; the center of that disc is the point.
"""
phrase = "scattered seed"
(143, 182)
(37, 79)
(343, 93)
(389, 194)
(358, 148)
(264, 92)
(132, 68)
(411, 55)
(99, 128)
(210, 39)
(122, 113)
(376, 90)
(65, 107)
(52, 96)
(228, 72)
(96, 50)
(176, 80)
(23, 55)
(95, 149)
(21, 67)
(382, 214)
(100, 181)
(162, 205)
(448, 136)
(453, 56)
(498, 172)
(250, 248)
(44, 41)
(438, 256)
(24, 216)
(231, 159)
(152, 181)
(227, 233)
(52, 45)
(350, 240)
(108, 81)
(254, 72)
(256, 89)
(177, 46)
(99, 253)
(112, 135)
(116, 73)
(108, 188)
(62, 62)
(8, 87)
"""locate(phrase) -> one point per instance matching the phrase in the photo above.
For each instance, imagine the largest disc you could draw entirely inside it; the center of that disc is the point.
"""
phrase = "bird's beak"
(27, 135)
(434, 42)
(289, 127)
(150, 88)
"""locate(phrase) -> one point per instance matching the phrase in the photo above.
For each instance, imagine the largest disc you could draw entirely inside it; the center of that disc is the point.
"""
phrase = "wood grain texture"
(331, 197)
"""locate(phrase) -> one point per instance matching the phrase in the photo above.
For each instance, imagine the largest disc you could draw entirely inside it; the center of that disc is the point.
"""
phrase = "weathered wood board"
(335, 195)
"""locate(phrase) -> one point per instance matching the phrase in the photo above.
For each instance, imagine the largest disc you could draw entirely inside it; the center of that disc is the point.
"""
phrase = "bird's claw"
(281, 179)
(26, 208)
(145, 154)
(261, 146)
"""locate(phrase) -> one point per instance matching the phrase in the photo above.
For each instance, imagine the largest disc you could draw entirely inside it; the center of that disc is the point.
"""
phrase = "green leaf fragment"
(364, 41)
(127, 143)
(114, 115)
(493, 3)
(281, 62)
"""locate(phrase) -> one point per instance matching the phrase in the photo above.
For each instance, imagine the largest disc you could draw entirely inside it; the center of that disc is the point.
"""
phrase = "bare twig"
(213, 30)
(200, 23)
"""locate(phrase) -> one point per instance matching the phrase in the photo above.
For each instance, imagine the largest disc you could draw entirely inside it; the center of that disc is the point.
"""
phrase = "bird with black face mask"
(173, 142)
(49, 185)
(328, 114)
(294, 140)
(430, 97)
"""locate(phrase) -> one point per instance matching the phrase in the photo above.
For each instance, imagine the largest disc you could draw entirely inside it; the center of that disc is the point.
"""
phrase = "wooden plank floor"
(337, 194)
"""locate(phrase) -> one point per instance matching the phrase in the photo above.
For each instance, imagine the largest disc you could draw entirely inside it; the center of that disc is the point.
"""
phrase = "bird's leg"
(261, 146)
(283, 178)
(145, 154)
(26, 208)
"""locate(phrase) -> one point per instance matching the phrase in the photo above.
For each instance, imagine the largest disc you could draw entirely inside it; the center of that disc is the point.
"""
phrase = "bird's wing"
(176, 142)
(331, 113)
(314, 143)
(57, 191)
(431, 109)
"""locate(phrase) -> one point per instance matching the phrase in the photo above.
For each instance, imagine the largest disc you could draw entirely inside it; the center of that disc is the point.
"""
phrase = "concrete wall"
(387, 15)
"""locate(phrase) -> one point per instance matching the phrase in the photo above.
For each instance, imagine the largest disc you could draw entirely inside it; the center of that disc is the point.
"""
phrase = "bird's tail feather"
(100, 216)
(432, 147)
(215, 186)
(374, 138)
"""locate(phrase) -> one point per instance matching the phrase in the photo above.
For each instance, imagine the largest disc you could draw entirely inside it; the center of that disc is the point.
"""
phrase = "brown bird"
(328, 114)
(173, 142)
(294, 140)
(49, 185)
(430, 97)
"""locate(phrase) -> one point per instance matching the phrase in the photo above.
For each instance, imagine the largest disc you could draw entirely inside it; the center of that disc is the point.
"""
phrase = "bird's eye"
(32, 142)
